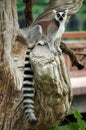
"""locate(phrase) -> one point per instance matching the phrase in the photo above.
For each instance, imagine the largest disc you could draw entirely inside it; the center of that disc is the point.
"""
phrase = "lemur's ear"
(66, 11)
(54, 11)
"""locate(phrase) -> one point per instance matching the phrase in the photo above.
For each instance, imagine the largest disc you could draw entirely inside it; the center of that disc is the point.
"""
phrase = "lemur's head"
(60, 15)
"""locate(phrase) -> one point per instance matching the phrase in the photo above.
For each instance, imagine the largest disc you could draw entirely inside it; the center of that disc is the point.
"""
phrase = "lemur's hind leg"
(57, 44)
(42, 42)
(51, 44)
(34, 34)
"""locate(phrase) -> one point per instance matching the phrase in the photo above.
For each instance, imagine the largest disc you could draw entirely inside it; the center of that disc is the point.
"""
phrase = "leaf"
(73, 126)
(58, 128)
(82, 124)
(77, 114)
(79, 118)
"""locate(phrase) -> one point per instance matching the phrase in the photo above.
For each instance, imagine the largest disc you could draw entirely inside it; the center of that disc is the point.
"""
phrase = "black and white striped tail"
(28, 90)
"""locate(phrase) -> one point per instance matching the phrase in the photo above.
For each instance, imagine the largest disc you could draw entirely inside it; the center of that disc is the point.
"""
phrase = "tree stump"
(53, 90)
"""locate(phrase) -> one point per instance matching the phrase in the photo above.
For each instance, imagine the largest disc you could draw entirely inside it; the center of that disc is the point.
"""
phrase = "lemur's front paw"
(53, 50)
(42, 43)
(59, 51)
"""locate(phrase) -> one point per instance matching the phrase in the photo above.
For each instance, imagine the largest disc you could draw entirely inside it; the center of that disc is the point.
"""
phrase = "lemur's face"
(60, 15)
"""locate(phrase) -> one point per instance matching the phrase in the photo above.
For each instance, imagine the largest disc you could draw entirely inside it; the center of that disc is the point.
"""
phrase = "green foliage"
(57, 128)
(20, 6)
(80, 124)
(72, 126)
(38, 7)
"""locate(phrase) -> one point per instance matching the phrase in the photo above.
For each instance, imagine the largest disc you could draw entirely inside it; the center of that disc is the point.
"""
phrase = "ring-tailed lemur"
(49, 31)
(53, 29)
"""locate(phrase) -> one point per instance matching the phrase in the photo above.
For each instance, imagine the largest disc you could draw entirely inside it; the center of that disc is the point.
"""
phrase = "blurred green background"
(76, 23)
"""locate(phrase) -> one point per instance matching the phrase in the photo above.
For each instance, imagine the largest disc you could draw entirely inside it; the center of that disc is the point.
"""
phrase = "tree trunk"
(53, 89)
(28, 12)
(9, 73)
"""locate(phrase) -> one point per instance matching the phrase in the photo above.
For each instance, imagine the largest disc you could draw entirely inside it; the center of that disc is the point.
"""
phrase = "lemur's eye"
(63, 15)
(58, 15)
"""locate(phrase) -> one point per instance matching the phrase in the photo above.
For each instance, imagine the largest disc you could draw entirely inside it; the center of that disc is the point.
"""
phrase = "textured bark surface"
(8, 68)
(52, 84)
(53, 87)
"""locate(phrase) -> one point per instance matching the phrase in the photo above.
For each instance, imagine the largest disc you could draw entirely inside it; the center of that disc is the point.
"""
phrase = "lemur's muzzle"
(61, 18)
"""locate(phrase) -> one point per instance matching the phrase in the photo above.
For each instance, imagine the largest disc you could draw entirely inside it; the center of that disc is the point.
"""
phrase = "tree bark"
(52, 84)
(28, 12)
(9, 73)
(73, 6)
